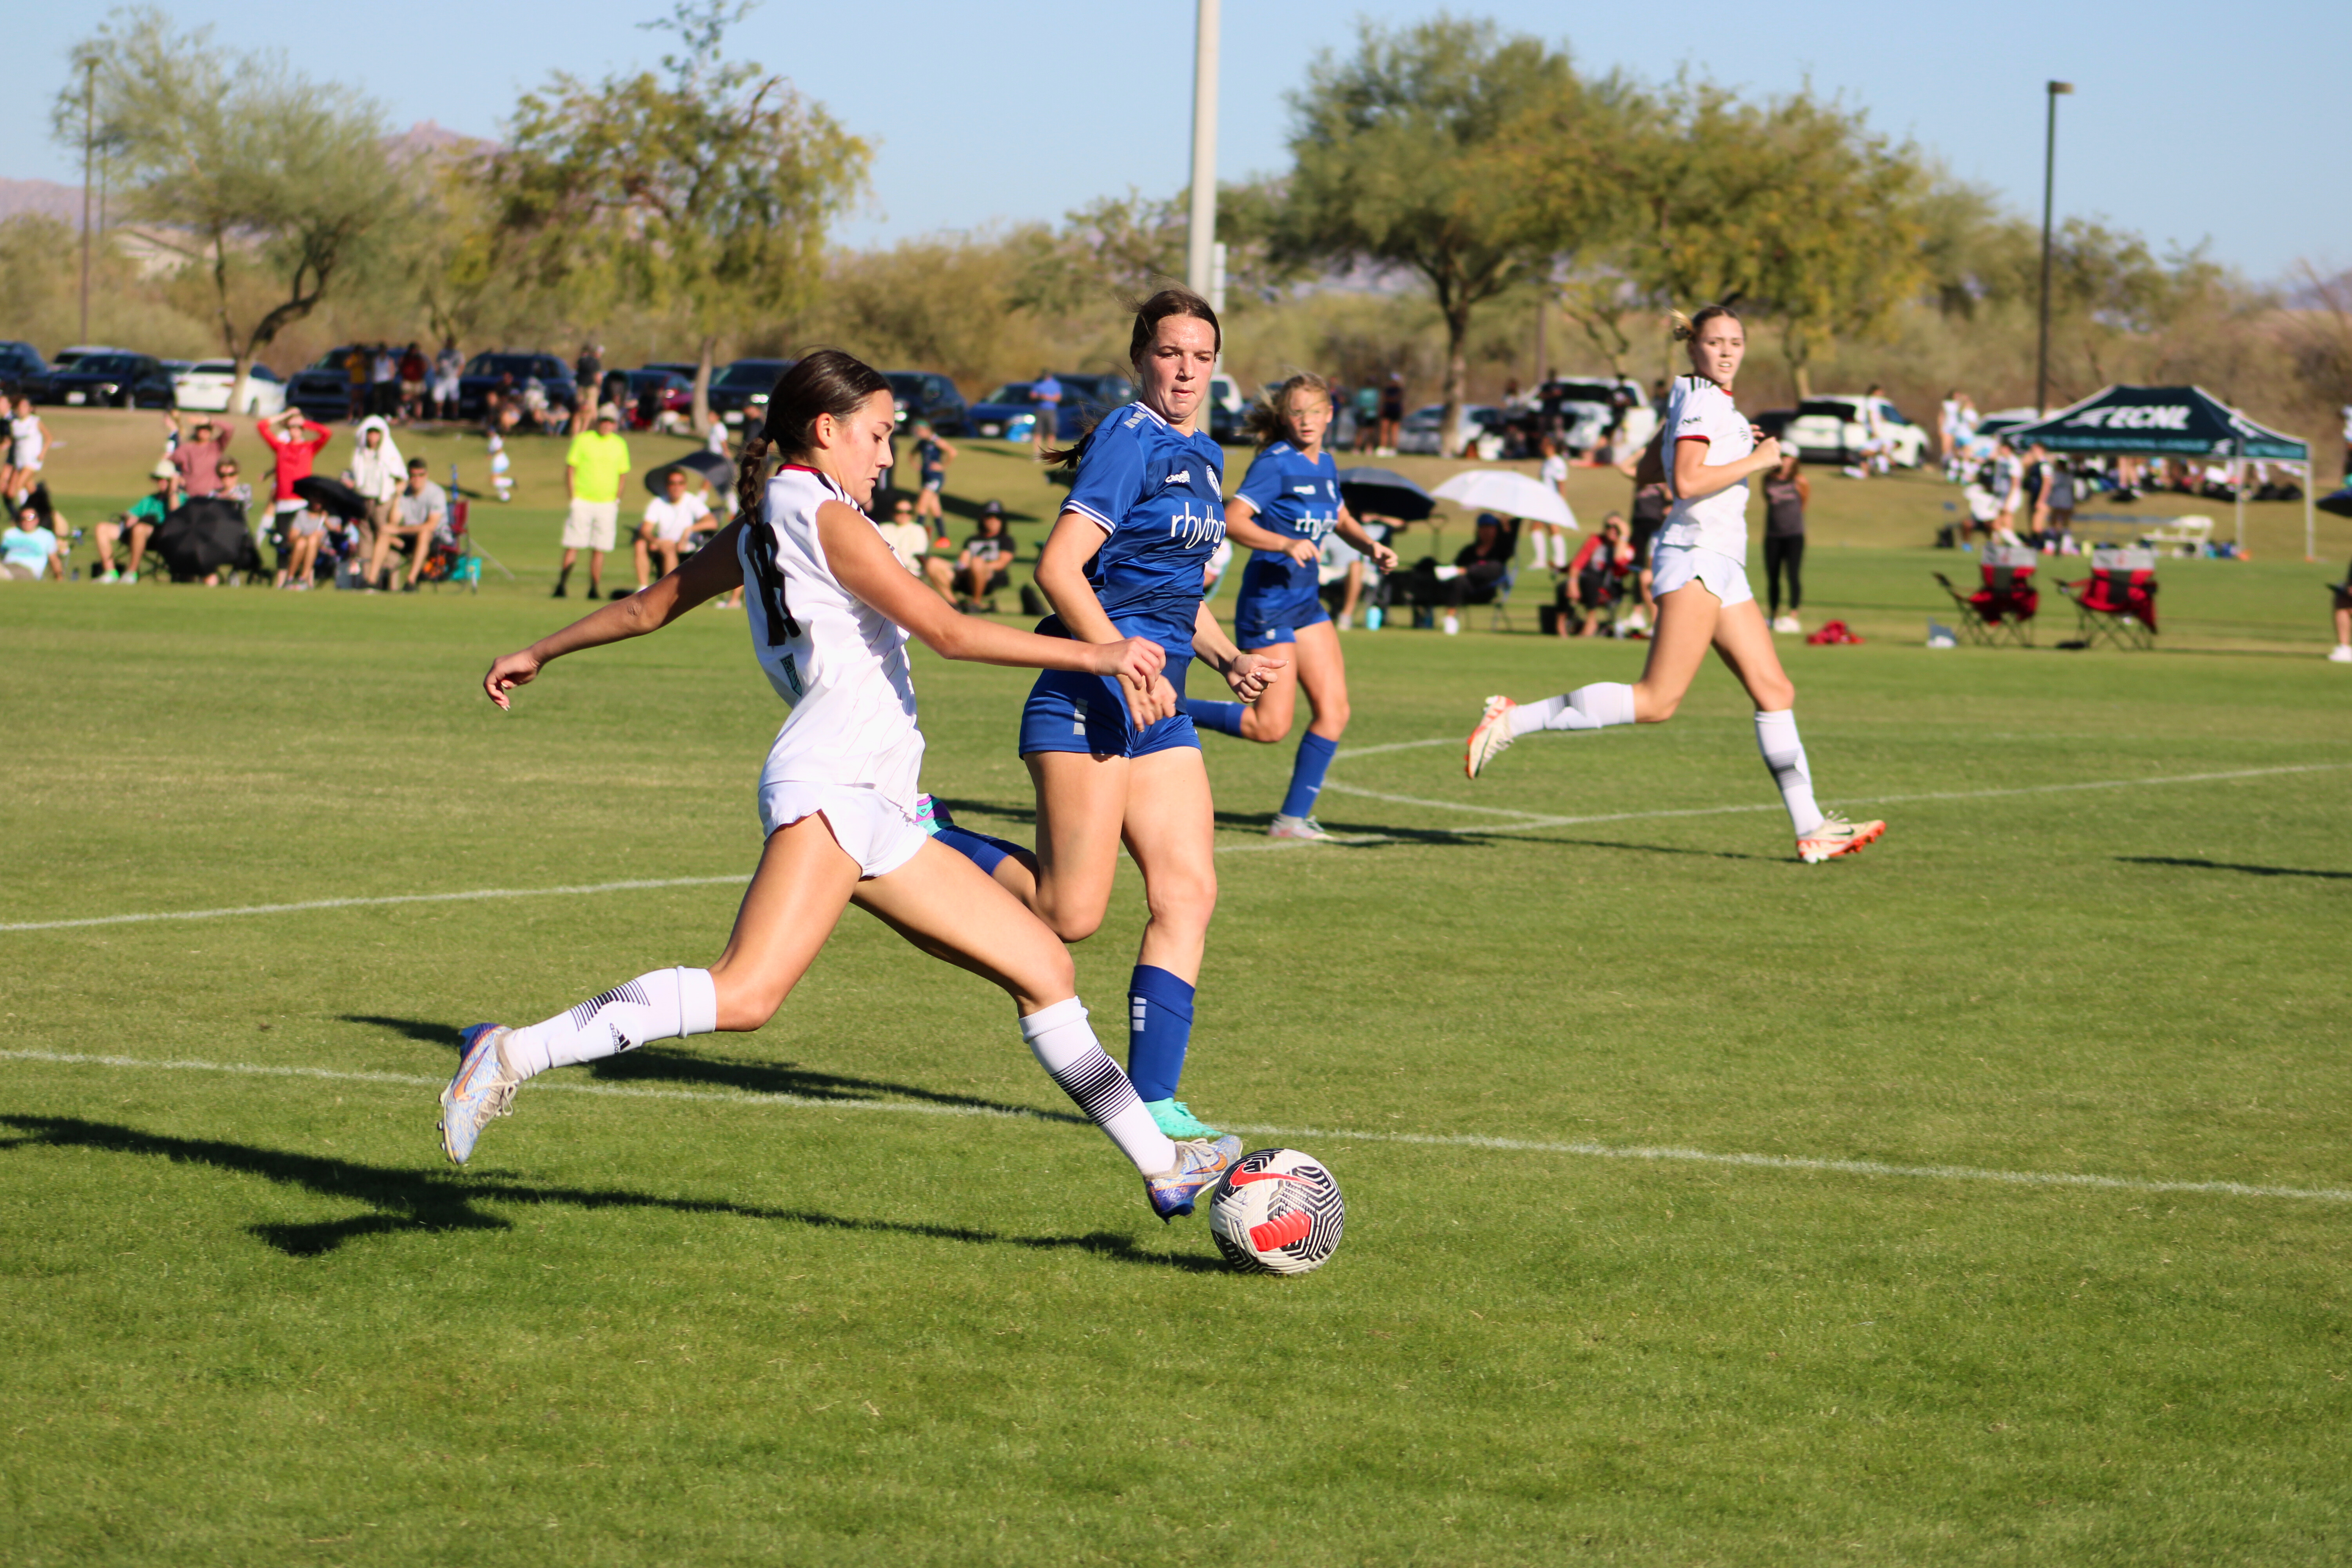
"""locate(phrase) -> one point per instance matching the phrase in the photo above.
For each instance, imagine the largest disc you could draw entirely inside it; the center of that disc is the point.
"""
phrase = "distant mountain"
(44, 198)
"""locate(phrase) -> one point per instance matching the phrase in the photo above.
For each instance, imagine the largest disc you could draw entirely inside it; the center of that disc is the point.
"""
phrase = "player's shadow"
(1640, 849)
(652, 1064)
(966, 811)
(2195, 864)
(408, 1201)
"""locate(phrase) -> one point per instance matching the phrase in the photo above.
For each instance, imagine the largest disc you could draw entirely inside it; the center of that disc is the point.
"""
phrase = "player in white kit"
(831, 609)
(1700, 582)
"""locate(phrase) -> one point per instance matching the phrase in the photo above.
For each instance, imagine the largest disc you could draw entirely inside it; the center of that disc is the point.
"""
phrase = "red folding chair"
(2118, 600)
(2002, 609)
(452, 557)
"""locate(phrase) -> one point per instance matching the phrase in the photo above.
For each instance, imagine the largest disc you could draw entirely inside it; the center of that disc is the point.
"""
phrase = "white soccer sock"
(1595, 707)
(1066, 1046)
(668, 1003)
(1784, 753)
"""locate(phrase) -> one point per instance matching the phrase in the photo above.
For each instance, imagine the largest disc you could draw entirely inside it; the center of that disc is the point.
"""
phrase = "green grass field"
(858, 1289)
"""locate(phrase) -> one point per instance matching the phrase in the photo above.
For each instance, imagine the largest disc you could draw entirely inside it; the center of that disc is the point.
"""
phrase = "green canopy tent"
(2171, 422)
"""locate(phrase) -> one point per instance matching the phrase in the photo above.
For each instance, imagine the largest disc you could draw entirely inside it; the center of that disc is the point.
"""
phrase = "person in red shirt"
(1597, 577)
(295, 441)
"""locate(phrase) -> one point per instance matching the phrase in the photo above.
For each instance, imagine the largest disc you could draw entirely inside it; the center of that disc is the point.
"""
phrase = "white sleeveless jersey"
(1698, 409)
(839, 664)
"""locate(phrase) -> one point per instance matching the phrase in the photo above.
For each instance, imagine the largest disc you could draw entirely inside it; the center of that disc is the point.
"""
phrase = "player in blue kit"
(1287, 503)
(1126, 558)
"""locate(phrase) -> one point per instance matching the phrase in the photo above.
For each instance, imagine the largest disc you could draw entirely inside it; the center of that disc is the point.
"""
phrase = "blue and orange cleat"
(483, 1086)
(1199, 1166)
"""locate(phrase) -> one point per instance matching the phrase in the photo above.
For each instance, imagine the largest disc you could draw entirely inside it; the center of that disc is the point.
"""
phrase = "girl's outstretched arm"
(713, 570)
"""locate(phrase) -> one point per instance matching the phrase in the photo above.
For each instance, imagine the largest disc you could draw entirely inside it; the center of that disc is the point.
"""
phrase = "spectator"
(671, 519)
(2009, 474)
(419, 511)
(297, 564)
(1392, 416)
(593, 468)
(587, 379)
(1348, 566)
(985, 565)
(909, 540)
(377, 471)
(232, 486)
(28, 448)
(1367, 416)
(2342, 652)
(146, 514)
(1478, 569)
(499, 403)
(1046, 398)
(29, 550)
(1786, 492)
(541, 413)
(1597, 577)
(932, 455)
(383, 382)
(198, 455)
(1554, 474)
(2053, 507)
(1948, 439)
(294, 443)
(412, 384)
(355, 370)
(449, 369)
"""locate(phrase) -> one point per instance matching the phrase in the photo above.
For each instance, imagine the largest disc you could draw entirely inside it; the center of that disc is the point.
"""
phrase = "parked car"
(484, 371)
(115, 380)
(656, 391)
(927, 394)
(206, 386)
(323, 389)
(1589, 405)
(1419, 432)
(21, 369)
(1228, 410)
(739, 394)
(1832, 429)
(1084, 399)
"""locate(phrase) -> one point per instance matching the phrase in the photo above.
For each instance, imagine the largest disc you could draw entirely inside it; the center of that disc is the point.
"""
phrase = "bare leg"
(1081, 802)
(416, 560)
(643, 552)
(1323, 675)
(138, 532)
(1686, 625)
(1268, 719)
(1743, 640)
(1171, 832)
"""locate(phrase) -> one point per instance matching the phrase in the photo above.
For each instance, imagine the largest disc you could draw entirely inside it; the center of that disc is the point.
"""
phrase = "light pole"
(1201, 239)
(2049, 185)
(88, 139)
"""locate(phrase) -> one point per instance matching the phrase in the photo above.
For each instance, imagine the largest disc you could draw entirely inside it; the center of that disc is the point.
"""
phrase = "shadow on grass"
(406, 1201)
(654, 1065)
(2226, 866)
(966, 811)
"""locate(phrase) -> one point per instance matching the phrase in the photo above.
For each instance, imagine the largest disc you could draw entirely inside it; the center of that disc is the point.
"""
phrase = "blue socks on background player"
(1226, 718)
(1158, 1028)
(1314, 760)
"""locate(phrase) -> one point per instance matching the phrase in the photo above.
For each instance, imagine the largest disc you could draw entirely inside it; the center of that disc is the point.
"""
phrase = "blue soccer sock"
(1315, 754)
(1223, 717)
(1159, 1027)
(982, 850)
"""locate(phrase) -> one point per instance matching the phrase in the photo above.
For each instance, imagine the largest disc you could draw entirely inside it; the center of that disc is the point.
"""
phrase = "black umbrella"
(2340, 503)
(206, 535)
(709, 466)
(1377, 492)
(337, 496)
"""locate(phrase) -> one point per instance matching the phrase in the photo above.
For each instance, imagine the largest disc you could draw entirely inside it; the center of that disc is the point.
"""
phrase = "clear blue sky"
(2191, 120)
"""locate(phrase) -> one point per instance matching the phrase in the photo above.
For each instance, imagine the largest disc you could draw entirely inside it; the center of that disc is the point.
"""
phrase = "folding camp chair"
(2118, 600)
(452, 558)
(2002, 609)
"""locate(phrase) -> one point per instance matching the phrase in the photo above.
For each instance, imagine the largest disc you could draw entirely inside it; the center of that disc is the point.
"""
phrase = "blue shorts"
(932, 480)
(1069, 712)
(1261, 620)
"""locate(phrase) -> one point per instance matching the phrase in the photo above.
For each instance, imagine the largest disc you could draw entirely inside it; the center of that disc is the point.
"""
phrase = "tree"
(1403, 157)
(706, 195)
(274, 185)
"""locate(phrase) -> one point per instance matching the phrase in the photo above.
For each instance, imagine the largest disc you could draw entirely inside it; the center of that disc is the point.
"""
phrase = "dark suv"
(739, 394)
(484, 371)
(112, 380)
(23, 370)
(323, 389)
(925, 395)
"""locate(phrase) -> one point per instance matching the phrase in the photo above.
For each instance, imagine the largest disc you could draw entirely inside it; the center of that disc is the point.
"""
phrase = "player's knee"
(1072, 925)
(1650, 710)
(1184, 900)
(1775, 695)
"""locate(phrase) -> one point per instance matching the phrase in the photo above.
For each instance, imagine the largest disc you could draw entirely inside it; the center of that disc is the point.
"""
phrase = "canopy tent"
(2171, 422)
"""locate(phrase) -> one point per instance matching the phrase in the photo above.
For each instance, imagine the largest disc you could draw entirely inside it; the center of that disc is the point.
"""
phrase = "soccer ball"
(1277, 1212)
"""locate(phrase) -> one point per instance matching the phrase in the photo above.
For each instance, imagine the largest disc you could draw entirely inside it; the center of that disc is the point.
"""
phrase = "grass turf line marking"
(1418, 1139)
(1533, 822)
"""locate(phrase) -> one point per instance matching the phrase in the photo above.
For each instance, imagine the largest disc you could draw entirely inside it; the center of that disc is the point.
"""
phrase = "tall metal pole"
(1200, 253)
(89, 139)
(2049, 186)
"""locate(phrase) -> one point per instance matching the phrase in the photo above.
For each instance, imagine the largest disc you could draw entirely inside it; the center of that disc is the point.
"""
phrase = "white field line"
(1417, 1140)
(1530, 822)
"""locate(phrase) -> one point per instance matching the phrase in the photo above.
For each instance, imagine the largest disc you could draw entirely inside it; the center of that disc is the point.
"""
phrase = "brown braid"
(750, 479)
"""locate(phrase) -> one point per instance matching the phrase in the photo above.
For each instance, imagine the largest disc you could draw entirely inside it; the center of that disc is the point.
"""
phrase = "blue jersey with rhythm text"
(1158, 494)
(1299, 500)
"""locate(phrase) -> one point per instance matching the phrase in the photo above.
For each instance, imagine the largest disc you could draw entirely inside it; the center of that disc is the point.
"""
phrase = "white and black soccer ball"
(1277, 1212)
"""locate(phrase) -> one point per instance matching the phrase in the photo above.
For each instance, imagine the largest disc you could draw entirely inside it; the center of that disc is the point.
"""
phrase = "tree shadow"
(404, 1201)
(2226, 866)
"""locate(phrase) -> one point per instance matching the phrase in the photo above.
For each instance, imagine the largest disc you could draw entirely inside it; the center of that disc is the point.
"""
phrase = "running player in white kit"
(1700, 582)
(831, 609)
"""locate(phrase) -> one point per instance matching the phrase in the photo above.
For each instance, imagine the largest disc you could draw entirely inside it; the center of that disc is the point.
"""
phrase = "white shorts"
(1676, 565)
(873, 831)
(591, 524)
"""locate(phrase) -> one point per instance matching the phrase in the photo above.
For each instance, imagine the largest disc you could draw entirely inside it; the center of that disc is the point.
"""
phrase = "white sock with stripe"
(1595, 707)
(1066, 1046)
(668, 1003)
(1784, 753)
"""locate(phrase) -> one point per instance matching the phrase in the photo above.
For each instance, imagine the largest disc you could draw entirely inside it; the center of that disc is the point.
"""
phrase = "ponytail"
(751, 487)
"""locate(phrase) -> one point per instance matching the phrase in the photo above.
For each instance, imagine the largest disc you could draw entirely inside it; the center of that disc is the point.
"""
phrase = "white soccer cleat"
(1786, 624)
(1492, 738)
(1300, 827)
(2341, 654)
(1836, 837)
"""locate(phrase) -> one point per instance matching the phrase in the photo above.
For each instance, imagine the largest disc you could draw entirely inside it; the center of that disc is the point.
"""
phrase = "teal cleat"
(1176, 1119)
(482, 1087)
(1199, 1167)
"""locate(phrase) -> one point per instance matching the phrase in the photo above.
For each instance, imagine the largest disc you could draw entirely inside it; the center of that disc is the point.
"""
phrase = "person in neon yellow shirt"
(593, 468)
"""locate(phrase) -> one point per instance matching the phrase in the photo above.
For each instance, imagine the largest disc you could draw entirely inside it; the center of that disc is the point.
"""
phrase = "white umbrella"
(1509, 493)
